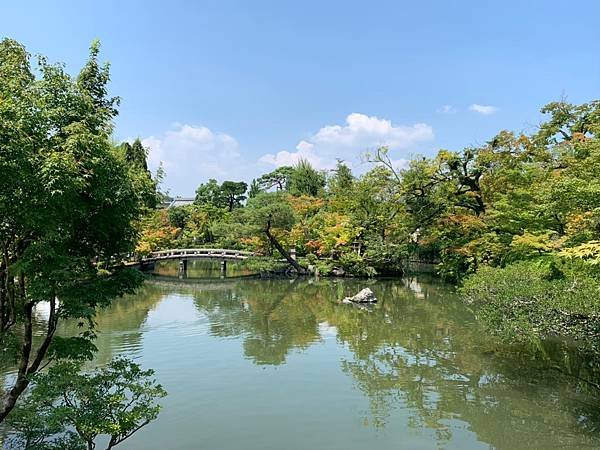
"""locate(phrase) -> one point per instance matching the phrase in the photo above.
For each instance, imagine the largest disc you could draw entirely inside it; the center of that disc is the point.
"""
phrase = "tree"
(269, 212)
(568, 122)
(341, 180)
(117, 400)
(228, 195)
(68, 205)
(233, 192)
(136, 154)
(255, 189)
(210, 194)
(279, 179)
(464, 174)
(178, 216)
(305, 180)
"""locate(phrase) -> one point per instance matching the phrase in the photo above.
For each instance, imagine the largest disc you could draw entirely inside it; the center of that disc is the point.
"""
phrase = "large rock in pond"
(364, 296)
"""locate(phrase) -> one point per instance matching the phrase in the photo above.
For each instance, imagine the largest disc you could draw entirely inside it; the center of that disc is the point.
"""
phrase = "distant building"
(181, 201)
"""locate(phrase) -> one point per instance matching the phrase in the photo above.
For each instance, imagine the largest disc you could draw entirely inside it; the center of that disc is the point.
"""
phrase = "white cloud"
(304, 151)
(192, 154)
(349, 141)
(446, 109)
(486, 110)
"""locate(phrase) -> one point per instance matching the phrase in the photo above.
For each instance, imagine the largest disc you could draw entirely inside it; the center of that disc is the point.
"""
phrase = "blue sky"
(231, 89)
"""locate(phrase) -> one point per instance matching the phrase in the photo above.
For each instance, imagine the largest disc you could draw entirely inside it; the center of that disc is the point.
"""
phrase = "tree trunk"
(283, 252)
(25, 369)
(3, 313)
(10, 399)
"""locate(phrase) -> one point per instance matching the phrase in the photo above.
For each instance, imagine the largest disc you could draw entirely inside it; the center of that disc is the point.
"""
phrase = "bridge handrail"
(198, 252)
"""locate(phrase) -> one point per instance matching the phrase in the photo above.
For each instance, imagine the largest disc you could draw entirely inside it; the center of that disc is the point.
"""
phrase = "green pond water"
(279, 364)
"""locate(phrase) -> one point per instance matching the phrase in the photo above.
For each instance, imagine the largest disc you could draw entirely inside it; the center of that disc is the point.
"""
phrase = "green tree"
(210, 194)
(305, 180)
(568, 122)
(116, 401)
(136, 154)
(279, 179)
(178, 216)
(68, 205)
(233, 192)
(269, 213)
(341, 180)
(254, 189)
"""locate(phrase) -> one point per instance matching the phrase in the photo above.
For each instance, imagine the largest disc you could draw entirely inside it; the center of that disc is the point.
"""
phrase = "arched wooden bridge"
(183, 255)
(193, 253)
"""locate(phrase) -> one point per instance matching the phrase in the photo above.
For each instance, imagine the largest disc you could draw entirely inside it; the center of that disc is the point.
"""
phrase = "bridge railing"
(199, 253)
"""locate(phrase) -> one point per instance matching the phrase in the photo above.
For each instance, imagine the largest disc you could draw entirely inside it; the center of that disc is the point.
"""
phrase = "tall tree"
(210, 193)
(341, 180)
(268, 213)
(233, 192)
(306, 180)
(254, 189)
(136, 154)
(68, 204)
(278, 179)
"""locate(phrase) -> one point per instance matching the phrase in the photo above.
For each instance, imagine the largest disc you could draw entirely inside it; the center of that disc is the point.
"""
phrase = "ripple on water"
(269, 364)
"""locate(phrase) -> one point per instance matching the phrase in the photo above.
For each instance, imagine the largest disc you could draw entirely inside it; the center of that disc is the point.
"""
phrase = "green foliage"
(305, 180)
(210, 194)
(529, 301)
(267, 265)
(69, 200)
(588, 252)
(228, 195)
(70, 409)
(278, 179)
(254, 189)
(355, 265)
(269, 209)
(341, 180)
(178, 216)
(136, 154)
(234, 193)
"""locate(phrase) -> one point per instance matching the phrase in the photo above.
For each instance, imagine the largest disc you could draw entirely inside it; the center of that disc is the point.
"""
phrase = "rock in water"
(338, 272)
(364, 296)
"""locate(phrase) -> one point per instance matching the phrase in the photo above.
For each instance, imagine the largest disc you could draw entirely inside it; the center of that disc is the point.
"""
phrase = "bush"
(355, 265)
(532, 300)
(266, 265)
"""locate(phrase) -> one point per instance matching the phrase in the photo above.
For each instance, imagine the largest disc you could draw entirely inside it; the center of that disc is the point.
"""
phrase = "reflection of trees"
(202, 268)
(423, 355)
(270, 315)
(419, 350)
(416, 350)
(119, 326)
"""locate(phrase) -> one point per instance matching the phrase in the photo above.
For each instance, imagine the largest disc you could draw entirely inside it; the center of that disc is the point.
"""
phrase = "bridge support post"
(183, 263)
(223, 268)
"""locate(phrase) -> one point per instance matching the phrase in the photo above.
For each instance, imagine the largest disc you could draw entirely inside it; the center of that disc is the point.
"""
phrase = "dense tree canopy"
(69, 203)
(516, 221)
(518, 197)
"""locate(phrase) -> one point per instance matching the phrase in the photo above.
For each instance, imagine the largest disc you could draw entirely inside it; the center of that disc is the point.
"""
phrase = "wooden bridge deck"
(193, 253)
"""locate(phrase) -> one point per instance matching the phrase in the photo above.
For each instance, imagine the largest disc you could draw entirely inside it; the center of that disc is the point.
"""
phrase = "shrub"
(355, 265)
(531, 300)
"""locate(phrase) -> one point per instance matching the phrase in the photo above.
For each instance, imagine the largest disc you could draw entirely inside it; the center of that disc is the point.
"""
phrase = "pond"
(279, 364)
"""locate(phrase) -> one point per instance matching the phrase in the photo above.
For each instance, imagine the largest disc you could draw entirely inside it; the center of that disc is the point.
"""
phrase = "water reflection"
(417, 356)
(203, 268)
(120, 327)
(418, 350)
